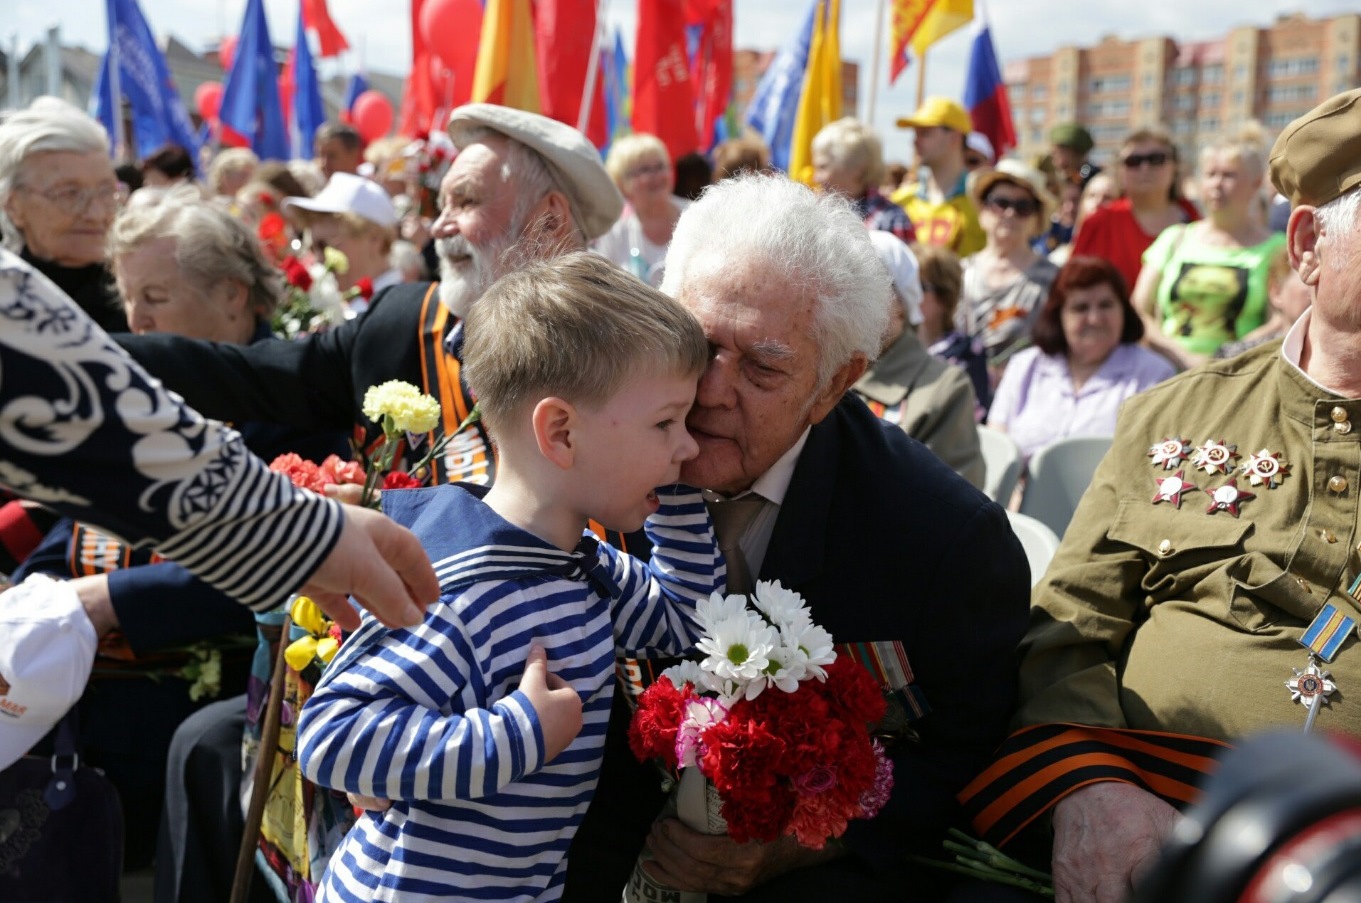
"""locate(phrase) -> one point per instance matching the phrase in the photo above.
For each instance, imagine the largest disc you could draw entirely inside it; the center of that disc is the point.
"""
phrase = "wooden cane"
(264, 771)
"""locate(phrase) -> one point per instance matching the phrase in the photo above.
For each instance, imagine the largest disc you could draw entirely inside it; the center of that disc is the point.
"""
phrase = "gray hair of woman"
(812, 240)
(210, 244)
(854, 147)
(49, 124)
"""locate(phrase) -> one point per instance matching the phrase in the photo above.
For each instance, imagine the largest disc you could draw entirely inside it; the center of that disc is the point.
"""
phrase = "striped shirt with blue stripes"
(432, 718)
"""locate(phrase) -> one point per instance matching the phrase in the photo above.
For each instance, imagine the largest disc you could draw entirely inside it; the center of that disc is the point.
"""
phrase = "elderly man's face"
(475, 225)
(63, 203)
(760, 390)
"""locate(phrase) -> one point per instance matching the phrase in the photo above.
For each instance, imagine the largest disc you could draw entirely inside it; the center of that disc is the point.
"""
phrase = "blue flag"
(358, 85)
(309, 114)
(616, 71)
(776, 102)
(250, 99)
(143, 79)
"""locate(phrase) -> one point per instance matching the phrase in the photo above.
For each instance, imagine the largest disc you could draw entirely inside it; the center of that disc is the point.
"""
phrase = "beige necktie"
(731, 519)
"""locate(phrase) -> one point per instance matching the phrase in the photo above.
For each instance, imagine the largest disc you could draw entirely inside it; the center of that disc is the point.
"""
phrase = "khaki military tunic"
(1177, 617)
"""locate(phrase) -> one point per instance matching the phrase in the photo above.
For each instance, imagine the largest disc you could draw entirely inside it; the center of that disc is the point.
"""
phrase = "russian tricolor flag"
(985, 94)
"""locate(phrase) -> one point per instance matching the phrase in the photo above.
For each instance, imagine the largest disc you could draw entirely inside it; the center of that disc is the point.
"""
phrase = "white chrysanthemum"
(781, 606)
(736, 648)
(785, 667)
(811, 649)
(688, 672)
(718, 608)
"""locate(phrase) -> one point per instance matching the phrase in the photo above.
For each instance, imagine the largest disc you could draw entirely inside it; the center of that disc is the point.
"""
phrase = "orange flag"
(921, 23)
(507, 72)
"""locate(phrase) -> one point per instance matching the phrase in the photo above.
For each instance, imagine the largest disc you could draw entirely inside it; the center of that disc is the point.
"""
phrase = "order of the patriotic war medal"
(1265, 468)
(1215, 456)
(1170, 452)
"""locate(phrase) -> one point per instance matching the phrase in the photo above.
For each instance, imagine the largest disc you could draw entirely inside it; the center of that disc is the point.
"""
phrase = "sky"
(380, 32)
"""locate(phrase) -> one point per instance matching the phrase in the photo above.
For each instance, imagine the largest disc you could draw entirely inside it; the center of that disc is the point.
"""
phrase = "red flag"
(711, 68)
(287, 87)
(418, 97)
(663, 96)
(564, 32)
(317, 17)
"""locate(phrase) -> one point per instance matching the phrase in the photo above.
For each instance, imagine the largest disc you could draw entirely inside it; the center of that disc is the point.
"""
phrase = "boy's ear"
(553, 421)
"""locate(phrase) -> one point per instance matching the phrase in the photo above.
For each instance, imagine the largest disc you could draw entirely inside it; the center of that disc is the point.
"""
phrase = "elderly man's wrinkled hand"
(687, 860)
(1105, 836)
(382, 565)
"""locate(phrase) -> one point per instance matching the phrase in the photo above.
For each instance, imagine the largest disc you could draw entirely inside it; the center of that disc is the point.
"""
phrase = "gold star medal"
(1266, 469)
(1170, 452)
(1170, 489)
(1215, 456)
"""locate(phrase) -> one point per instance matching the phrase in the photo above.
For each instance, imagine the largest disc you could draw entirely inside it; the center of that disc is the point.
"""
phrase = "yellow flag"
(507, 71)
(943, 17)
(820, 102)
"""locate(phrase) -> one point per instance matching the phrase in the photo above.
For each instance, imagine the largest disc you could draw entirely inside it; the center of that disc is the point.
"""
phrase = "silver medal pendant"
(1311, 686)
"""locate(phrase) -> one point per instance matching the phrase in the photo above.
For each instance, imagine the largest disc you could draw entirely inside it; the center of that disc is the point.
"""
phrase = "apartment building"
(1198, 91)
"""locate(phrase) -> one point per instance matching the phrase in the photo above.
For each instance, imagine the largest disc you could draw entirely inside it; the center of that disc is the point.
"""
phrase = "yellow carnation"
(335, 261)
(411, 410)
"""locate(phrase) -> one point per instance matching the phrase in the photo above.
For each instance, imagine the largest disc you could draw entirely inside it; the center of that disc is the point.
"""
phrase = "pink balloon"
(452, 29)
(372, 115)
(208, 100)
(226, 52)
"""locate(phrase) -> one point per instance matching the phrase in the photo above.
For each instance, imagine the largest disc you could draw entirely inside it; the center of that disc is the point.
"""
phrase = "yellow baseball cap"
(1318, 156)
(936, 111)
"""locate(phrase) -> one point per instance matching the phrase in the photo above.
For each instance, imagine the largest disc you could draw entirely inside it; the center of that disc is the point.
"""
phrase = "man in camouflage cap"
(1206, 588)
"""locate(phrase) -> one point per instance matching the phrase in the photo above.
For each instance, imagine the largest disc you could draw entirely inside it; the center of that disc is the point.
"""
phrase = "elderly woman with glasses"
(58, 197)
(848, 158)
(1005, 282)
(641, 167)
(1123, 229)
(1205, 284)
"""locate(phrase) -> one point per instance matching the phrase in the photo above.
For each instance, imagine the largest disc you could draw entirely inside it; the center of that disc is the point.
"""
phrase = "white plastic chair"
(1039, 543)
(1059, 474)
(1001, 464)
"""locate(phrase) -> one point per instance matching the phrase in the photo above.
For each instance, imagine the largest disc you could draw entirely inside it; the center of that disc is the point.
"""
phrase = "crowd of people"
(816, 362)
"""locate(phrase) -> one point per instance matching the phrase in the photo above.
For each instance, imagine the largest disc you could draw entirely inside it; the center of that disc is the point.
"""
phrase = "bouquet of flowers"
(773, 719)
(313, 301)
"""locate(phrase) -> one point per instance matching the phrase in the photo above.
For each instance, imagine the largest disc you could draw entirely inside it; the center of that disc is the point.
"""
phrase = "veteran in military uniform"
(1206, 588)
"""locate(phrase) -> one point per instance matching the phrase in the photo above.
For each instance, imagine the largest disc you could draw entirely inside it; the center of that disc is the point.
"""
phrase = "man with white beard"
(523, 187)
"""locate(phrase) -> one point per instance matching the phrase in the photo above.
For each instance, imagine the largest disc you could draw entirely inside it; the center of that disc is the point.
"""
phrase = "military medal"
(1170, 452)
(1266, 469)
(1215, 457)
(1170, 489)
(1312, 687)
(1228, 497)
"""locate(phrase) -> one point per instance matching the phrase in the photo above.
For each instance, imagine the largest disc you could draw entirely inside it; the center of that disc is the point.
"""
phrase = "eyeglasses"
(1022, 207)
(648, 169)
(74, 199)
(1134, 161)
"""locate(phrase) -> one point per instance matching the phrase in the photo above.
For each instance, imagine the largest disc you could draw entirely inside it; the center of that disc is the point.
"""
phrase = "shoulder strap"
(468, 456)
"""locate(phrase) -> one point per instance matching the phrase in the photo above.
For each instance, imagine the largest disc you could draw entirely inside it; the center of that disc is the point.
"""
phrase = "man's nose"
(445, 225)
(717, 385)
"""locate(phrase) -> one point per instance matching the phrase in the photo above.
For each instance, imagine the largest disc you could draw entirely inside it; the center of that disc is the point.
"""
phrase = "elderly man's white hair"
(49, 124)
(814, 242)
(1338, 218)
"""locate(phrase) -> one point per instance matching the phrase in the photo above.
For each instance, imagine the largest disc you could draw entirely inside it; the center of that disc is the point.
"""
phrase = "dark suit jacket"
(885, 542)
(315, 384)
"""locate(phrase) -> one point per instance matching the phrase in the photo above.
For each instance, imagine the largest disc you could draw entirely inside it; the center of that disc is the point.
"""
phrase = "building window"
(1240, 72)
(1299, 65)
(1018, 93)
(1210, 100)
(1148, 104)
(1037, 114)
(1184, 75)
(1212, 75)
(1278, 121)
(1283, 94)
(1102, 83)
(1344, 63)
(1185, 102)
(1038, 93)
(1210, 125)
(1238, 98)
(1148, 80)
(1063, 86)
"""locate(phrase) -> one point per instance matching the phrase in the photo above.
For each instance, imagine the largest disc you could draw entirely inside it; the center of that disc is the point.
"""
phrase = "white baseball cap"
(979, 144)
(349, 193)
(902, 266)
(47, 648)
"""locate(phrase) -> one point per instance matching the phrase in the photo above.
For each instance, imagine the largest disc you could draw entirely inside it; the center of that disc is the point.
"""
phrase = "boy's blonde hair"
(576, 327)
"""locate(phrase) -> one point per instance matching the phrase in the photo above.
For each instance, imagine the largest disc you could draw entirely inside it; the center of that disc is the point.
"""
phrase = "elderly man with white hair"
(806, 486)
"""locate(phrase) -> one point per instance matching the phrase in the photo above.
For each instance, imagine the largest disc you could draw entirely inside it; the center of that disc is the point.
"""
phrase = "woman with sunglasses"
(1005, 282)
(1122, 230)
(1205, 284)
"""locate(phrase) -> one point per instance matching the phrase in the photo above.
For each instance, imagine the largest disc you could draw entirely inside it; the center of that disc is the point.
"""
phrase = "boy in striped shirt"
(485, 725)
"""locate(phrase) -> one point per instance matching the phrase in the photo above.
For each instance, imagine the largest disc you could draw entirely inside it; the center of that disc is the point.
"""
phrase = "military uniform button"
(1327, 536)
(1165, 548)
(1337, 483)
(1342, 428)
(1304, 584)
(1339, 414)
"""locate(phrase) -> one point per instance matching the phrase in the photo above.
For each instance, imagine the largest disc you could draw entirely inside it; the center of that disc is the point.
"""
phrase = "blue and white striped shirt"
(432, 719)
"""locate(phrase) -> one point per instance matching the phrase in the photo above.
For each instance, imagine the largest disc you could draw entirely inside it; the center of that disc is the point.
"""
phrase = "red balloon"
(452, 29)
(226, 52)
(372, 115)
(208, 99)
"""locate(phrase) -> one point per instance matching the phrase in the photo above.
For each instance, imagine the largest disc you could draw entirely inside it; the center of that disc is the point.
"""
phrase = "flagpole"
(921, 79)
(116, 93)
(874, 66)
(592, 70)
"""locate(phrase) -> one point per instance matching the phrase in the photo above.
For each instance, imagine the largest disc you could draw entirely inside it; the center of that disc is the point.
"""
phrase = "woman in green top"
(1205, 283)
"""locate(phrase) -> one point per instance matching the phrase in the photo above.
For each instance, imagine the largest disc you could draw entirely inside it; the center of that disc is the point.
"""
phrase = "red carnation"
(336, 471)
(399, 480)
(296, 274)
(365, 288)
(302, 472)
(853, 693)
(652, 732)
